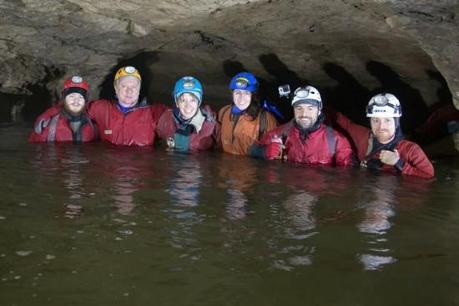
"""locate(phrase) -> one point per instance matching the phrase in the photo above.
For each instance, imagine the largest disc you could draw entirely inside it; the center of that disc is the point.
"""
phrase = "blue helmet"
(244, 81)
(188, 84)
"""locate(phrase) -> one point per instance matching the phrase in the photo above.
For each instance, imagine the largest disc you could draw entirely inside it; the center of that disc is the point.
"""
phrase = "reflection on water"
(378, 209)
(296, 248)
(238, 176)
(142, 225)
(184, 188)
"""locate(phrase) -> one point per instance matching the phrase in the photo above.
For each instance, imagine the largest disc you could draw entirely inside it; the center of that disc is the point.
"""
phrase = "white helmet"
(384, 105)
(308, 95)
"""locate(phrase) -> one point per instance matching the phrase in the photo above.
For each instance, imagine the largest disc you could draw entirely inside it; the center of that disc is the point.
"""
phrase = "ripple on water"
(23, 253)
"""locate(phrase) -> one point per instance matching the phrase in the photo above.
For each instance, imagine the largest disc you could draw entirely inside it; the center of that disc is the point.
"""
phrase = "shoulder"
(269, 115)
(101, 102)
(50, 112)
(284, 129)
(334, 135)
(158, 110)
(225, 109)
(407, 146)
(166, 114)
(97, 104)
(208, 113)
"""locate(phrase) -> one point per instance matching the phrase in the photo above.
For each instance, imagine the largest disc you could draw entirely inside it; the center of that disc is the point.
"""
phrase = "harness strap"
(331, 140)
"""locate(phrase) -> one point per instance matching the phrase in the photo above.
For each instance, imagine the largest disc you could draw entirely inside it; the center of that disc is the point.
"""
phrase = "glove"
(273, 150)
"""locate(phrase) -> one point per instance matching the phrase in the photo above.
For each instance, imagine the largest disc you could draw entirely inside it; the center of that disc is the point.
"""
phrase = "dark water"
(103, 225)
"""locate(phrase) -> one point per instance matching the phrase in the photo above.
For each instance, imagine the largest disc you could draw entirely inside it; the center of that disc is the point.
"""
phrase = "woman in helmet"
(188, 126)
(383, 147)
(67, 121)
(244, 121)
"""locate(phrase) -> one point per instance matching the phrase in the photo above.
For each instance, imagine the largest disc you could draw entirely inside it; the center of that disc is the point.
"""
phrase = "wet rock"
(281, 41)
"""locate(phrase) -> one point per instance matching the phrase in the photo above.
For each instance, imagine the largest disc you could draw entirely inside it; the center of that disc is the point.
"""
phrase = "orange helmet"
(127, 71)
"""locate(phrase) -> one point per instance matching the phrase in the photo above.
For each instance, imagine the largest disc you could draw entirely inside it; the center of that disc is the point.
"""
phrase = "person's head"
(244, 87)
(307, 106)
(188, 93)
(127, 86)
(384, 111)
(75, 94)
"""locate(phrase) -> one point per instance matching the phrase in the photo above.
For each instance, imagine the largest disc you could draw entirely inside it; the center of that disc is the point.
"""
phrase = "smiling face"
(242, 98)
(188, 105)
(127, 90)
(383, 129)
(74, 103)
(306, 114)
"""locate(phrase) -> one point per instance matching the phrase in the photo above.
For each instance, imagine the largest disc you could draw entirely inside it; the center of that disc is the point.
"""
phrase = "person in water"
(383, 147)
(188, 125)
(244, 121)
(127, 120)
(306, 139)
(67, 121)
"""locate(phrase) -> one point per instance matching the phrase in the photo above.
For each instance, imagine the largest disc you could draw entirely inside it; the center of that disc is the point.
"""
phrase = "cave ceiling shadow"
(142, 62)
(414, 108)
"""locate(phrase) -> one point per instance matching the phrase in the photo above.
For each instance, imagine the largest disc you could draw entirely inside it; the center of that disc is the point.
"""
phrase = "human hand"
(389, 157)
(274, 149)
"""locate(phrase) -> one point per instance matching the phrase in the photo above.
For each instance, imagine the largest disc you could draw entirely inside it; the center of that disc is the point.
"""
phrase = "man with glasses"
(305, 139)
(383, 147)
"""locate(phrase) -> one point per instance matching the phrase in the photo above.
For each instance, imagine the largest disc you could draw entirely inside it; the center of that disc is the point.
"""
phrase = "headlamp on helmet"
(384, 105)
(309, 95)
(75, 84)
(188, 84)
(244, 81)
(127, 71)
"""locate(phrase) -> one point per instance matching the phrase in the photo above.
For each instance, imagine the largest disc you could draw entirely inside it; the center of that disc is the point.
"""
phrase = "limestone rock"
(349, 48)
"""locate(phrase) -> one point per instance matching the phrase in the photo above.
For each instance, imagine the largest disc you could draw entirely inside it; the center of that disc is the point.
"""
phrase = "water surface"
(103, 225)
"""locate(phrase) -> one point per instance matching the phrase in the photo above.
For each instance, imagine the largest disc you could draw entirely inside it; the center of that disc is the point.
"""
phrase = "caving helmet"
(127, 71)
(307, 94)
(244, 81)
(384, 105)
(188, 84)
(76, 84)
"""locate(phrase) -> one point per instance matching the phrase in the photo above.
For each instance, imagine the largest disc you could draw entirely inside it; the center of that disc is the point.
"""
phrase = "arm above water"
(413, 161)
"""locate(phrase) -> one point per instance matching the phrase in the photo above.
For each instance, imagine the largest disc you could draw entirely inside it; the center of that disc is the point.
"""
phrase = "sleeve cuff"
(400, 164)
(257, 151)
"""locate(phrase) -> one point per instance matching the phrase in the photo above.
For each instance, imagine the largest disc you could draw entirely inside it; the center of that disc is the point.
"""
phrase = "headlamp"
(77, 79)
(242, 83)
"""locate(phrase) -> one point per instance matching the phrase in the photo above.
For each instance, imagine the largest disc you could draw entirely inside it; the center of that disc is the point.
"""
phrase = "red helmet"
(76, 81)
(75, 84)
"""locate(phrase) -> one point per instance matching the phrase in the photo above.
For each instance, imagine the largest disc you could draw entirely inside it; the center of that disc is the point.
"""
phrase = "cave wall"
(348, 48)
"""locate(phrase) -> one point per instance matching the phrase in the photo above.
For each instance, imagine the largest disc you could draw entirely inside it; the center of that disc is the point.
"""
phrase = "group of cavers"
(315, 136)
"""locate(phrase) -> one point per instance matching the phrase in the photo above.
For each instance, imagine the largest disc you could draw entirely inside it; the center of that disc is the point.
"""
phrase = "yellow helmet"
(127, 71)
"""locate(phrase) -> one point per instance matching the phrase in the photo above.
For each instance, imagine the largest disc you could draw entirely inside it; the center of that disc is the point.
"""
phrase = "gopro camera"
(284, 90)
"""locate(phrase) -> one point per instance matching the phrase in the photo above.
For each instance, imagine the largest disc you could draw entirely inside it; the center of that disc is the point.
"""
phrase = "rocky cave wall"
(348, 48)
